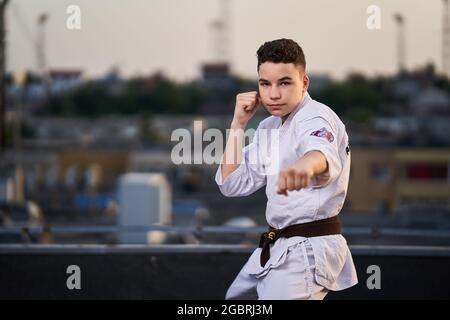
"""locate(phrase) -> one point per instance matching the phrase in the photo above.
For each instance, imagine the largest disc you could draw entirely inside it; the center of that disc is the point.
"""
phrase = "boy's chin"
(278, 113)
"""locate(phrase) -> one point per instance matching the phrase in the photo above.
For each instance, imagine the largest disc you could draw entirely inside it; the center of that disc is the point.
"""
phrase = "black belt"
(316, 228)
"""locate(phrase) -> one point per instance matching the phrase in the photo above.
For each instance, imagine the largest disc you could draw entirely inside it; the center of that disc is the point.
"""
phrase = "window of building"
(426, 172)
(380, 172)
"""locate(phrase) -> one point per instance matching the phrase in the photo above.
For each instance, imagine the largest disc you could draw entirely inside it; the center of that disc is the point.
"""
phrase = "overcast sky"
(143, 36)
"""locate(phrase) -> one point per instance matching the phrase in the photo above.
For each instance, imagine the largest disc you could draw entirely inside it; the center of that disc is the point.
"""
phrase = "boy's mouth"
(276, 106)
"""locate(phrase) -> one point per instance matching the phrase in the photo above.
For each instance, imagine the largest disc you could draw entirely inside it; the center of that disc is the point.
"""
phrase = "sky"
(141, 37)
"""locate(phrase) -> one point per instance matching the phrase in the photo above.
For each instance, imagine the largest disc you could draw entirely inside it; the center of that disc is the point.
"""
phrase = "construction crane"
(41, 61)
(220, 28)
(3, 5)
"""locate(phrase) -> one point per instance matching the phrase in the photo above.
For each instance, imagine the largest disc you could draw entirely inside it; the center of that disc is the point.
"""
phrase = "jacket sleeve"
(248, 177)
(317, 134)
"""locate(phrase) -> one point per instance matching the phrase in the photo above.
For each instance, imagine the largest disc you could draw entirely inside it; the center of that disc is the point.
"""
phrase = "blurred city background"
(86, 116)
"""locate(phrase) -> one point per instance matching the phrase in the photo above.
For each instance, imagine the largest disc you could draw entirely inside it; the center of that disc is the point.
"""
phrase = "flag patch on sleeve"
(323, 133)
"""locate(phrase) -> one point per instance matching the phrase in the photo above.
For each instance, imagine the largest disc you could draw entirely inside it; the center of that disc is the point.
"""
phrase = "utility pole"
(41, 58)
(445, 39)
(401, 47)
(3, 5)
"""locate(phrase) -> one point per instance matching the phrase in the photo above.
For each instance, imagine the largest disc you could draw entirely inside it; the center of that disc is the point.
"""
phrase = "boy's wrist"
(237, 125)
(305, 163)
(316, 161)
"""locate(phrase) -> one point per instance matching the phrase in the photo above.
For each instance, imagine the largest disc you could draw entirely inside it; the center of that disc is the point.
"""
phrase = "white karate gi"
(298, 268)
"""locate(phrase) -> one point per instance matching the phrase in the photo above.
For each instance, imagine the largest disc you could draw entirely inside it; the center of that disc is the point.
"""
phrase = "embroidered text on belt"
(316, 228)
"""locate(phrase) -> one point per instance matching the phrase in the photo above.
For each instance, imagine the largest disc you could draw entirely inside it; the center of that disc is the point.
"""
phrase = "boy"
(303, 255)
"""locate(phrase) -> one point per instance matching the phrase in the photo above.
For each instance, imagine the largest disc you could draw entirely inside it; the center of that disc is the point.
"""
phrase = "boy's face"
(281, 87)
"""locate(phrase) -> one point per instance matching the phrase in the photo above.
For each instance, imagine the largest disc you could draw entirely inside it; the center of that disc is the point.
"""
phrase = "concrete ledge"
(199, 272)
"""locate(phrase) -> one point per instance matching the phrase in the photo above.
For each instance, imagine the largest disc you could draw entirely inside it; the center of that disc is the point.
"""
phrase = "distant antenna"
(445, 39)
(220, 28)
(401, 51)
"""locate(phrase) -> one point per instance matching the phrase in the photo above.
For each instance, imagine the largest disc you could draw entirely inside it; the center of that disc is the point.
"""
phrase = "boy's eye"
(265, 84)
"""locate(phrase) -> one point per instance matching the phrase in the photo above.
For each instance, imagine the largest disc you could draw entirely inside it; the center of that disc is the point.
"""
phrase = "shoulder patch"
(323, 133)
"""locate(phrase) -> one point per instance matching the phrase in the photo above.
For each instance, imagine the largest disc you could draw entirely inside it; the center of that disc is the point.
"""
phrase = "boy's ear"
(305, 82)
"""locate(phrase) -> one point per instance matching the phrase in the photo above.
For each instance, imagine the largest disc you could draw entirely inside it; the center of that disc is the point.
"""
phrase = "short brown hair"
(281, 51)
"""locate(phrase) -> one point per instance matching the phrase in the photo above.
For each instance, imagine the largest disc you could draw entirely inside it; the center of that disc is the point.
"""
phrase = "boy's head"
(282, 51)
(282, 76)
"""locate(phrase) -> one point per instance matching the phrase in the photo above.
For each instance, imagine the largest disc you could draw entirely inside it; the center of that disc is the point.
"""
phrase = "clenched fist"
(246, 106)
(299, 174)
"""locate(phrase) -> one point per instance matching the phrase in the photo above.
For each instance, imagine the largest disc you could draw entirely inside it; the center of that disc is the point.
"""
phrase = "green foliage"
(96, 99)
(357, 98)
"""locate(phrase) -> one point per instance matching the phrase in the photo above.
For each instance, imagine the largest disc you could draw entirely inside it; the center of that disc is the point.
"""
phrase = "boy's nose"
(274, 93)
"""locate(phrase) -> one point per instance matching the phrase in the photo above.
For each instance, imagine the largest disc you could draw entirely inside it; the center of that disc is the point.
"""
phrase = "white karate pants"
(293, 280)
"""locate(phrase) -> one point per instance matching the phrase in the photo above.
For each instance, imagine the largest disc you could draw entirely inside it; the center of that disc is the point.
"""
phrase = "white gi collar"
(305, 100)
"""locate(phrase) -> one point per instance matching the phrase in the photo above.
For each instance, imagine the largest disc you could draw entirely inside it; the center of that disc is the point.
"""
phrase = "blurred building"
(216, 78)
(394, 180)
(96, 167)
(64, 80)
(216, 75)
